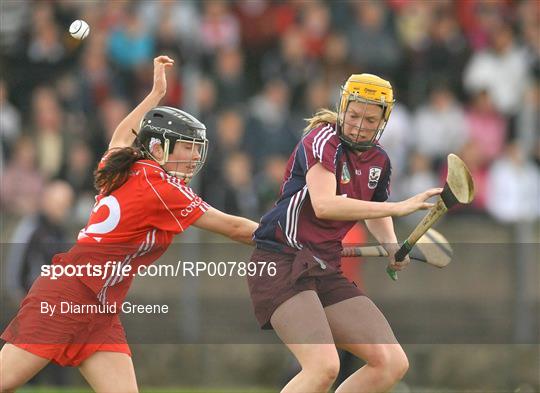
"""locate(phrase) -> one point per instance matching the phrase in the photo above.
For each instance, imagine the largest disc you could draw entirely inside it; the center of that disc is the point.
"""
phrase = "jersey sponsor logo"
(374, 175)
(358, 172)
(345, 175)
(192, 206)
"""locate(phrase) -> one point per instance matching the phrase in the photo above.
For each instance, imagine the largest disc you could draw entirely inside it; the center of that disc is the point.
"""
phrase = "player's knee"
(390, 360)
(323, 366)
(399, 364)
(329, 372)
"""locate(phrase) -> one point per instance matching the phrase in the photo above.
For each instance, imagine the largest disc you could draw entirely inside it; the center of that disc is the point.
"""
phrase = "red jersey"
(134, 225)
(292, 223)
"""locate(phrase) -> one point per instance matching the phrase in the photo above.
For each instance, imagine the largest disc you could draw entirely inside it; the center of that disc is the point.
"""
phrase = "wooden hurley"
(459, 188)
(432, 248)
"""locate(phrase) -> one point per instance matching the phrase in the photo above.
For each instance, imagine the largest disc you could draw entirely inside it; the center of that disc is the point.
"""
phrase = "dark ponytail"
(115, 170)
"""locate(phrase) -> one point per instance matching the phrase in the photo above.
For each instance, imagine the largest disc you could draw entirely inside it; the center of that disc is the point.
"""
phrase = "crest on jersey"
(374, 175)
(345, 175)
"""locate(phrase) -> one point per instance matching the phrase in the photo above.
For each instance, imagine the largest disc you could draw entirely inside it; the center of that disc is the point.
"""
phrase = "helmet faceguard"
(168, 126)
(366, 89)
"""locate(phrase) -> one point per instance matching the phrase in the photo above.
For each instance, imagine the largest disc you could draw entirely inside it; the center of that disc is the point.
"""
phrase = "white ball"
(79, 29)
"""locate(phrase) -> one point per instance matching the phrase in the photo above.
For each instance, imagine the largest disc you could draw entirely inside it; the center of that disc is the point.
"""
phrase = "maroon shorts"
(295, 273)
(66, 338)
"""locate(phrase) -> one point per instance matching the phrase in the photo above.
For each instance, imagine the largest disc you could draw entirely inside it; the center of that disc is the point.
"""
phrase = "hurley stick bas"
(459, 188)
(432, 248)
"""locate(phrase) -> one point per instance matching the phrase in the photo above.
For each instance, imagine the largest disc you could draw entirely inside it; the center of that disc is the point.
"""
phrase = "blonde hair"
(323, 115)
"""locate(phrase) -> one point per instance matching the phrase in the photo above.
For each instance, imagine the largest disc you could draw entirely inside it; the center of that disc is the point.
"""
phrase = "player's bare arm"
(382, 229)
(329, 206)
(236, 228)
(123, 134)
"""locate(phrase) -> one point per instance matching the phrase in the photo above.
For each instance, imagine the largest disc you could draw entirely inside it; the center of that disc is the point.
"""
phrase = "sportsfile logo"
(180, 269)
(86, 270)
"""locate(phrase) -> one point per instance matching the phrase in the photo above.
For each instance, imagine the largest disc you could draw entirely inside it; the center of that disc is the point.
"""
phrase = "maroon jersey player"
(338, 174)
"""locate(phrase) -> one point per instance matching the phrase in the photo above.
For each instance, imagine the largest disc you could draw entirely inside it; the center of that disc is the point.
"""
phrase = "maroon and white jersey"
(292, 224)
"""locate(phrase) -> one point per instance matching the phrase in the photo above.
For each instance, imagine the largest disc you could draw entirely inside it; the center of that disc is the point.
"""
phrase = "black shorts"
(295, 273)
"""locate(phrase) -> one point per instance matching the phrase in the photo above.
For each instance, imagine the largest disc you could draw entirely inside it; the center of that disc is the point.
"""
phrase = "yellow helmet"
(369, 89)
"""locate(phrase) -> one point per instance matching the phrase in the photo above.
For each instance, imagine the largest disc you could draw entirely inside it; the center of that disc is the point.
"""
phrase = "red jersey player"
(143, 201)
(338, 174)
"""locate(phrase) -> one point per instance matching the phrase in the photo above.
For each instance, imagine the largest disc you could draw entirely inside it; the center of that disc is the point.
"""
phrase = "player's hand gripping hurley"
(459, 188)
(432, 248)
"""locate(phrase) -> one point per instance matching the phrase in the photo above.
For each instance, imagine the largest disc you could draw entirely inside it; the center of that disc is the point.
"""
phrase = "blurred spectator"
(514, 187)
(486, 127)
(129, 44)
(205, 102)
(229, 138)
(219, 27)
(272, 121)
(529, 23)
(45, 46)
(480, 18)
(317, 96)
(443, 55)
(258, 28)
(38, 238)
(439, 126)
(413, 20)
(42, 56)
(501, 70)
(271, 106)
(14, 20)
(110, 114)
(130, 48)
(315, 23)
(230, 78)
(168, 42)
(78, 169)
(48, 126)
(291, 64)
(268, 181)
(373, 45)
(420, 175)
(528, 125)
(10, 120)
(336, 67)
(21, 180)
(176, 24)
(239, 193)
(96, 79)
(397, 139)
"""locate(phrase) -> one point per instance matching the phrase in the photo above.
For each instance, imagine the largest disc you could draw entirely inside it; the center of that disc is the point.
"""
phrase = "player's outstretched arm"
(123, 135)
(236, 228)
(329, 206)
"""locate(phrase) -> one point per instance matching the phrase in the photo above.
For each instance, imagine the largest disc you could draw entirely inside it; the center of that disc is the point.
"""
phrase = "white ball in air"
(79, 29)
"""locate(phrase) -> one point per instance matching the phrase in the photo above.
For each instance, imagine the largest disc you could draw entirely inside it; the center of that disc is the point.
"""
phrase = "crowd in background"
(466, 76)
